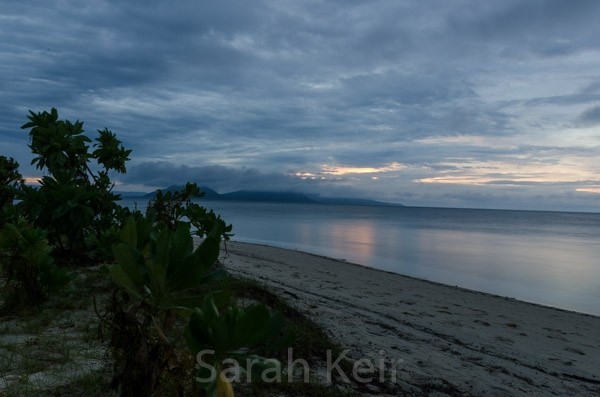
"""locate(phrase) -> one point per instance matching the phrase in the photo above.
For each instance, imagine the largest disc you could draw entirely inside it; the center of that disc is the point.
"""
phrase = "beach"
(438, 339)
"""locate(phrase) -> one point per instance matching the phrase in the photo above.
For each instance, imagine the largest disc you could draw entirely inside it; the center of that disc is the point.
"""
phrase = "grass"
(93, 384)
(35, 323)
(46, 352)
(311, 343)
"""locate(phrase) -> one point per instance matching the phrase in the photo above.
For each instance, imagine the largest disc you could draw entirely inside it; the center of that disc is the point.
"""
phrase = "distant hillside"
(130, 194)
(351, 201)
(278, 197)
(285, 197)
(208, 192)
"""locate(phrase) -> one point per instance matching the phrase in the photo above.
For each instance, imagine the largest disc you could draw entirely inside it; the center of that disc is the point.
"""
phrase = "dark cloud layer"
(467, 96)
(223, 179)
(591, 116)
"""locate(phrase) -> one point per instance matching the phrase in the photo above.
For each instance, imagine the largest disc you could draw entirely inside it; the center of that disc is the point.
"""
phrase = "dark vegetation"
(279, 197)
(168, 298)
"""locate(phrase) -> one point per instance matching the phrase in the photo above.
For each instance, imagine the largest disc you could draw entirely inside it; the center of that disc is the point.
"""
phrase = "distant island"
(268, 196)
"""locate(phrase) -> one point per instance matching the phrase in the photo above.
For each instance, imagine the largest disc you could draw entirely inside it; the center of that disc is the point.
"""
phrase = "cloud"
(342, 170)
(223, 179)
(591, 116)
(246, 94)
(538, 27)
(160, 174)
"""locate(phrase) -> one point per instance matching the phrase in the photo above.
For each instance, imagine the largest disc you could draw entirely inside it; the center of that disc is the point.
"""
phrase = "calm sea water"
(551, 258)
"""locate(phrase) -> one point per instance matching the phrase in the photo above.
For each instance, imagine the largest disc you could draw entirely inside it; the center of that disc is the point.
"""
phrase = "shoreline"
(438, 283)
(447, 338)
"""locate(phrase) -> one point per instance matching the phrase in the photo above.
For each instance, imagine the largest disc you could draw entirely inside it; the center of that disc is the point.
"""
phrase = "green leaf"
(183, 244)
(209, 250)
(221, 334)
(128, 260)
(158, 267)
(128, 233)
(188, 302)
(252, 325)
(200, 330)
(209, 308)
(120, 277)
(194, 270)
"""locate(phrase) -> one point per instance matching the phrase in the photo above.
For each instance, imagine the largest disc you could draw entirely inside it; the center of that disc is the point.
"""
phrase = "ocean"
(550, 258)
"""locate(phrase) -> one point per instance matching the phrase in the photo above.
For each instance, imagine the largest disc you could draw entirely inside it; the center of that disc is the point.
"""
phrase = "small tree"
(10, 181)
(73, 201)
(24, 260)
(160, 271)
(173, 207)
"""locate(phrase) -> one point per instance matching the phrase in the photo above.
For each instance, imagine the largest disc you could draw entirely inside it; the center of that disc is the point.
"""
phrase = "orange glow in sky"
(342, 170)
(468, 172)
(590, 189)
(32, 180)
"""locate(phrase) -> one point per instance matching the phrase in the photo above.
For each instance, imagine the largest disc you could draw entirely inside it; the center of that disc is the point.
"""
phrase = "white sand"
(451, 340)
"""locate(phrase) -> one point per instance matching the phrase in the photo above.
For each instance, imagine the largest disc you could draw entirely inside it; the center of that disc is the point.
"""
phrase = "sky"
(464, 103)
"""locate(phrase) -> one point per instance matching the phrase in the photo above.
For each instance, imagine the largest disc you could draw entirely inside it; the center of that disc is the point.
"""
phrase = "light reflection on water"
(547, 258)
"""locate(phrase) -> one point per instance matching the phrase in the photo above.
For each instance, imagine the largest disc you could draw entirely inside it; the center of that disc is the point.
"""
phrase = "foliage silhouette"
(73, 201)
(74, 215)
(174, 206)
(160, 271)
(10, 181)
(26, 263)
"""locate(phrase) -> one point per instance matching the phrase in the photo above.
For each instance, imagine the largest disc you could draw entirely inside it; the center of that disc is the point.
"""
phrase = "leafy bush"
(73, 201)
(160, 271)
(10, 181)
(231, 335)
(160, 267)
(26, 263)
(173, 207)
(74, 214)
